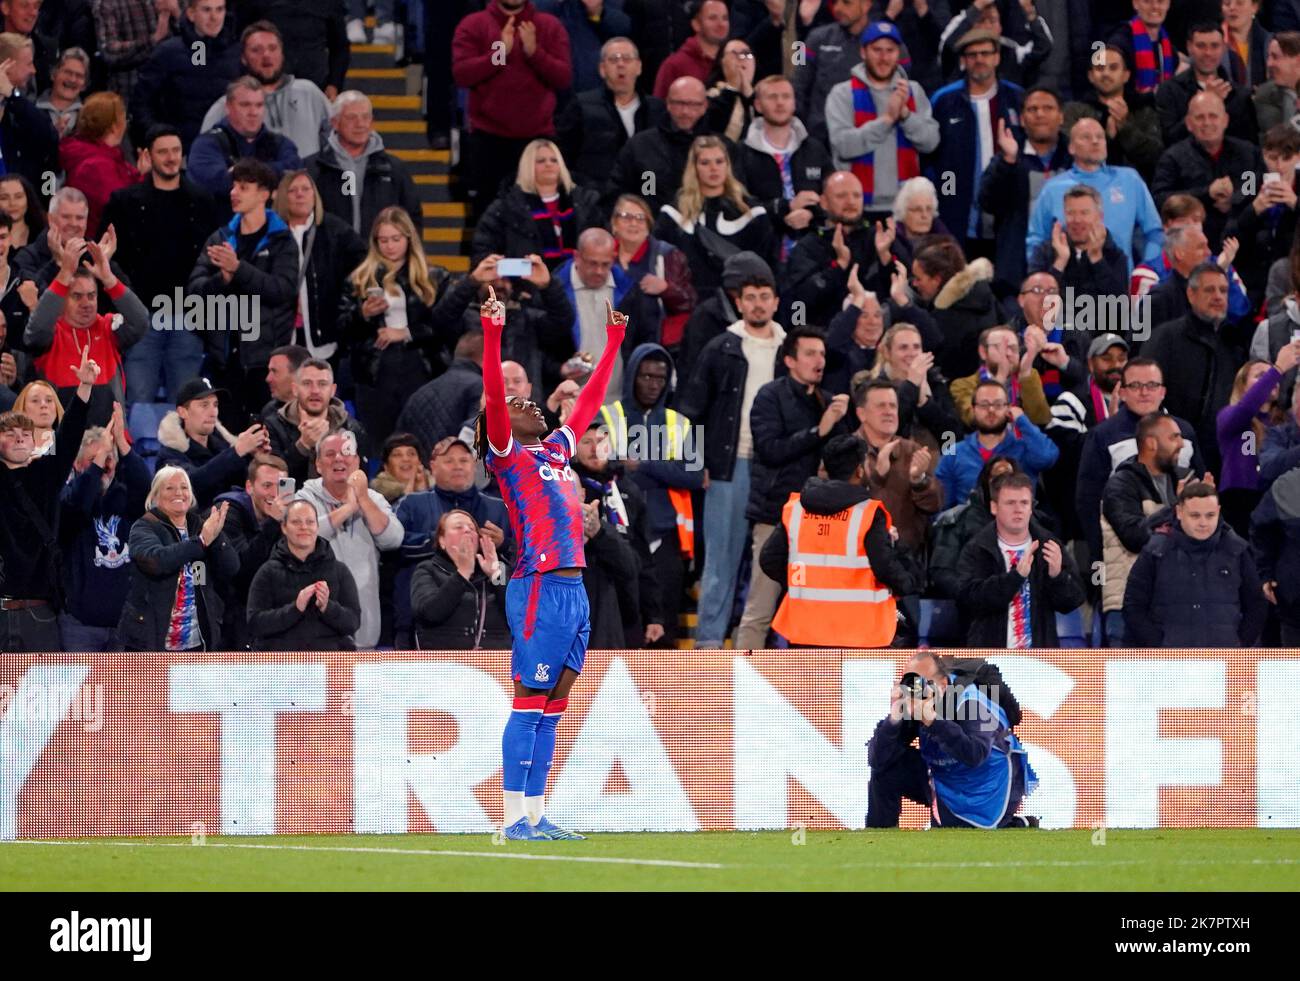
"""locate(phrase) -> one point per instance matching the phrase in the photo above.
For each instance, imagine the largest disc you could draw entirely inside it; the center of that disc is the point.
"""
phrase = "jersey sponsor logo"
(548, 472)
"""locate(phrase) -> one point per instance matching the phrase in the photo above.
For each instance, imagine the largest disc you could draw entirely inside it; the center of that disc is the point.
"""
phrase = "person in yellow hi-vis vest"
(834, 554)
(657, 448)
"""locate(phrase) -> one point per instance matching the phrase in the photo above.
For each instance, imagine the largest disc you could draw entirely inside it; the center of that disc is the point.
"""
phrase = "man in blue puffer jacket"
(970, 770)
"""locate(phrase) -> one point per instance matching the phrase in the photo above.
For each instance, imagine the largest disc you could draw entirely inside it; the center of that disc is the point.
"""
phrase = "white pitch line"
(591, 859)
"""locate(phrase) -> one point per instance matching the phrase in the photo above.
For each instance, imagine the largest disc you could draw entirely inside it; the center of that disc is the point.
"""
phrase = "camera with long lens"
(915, 687)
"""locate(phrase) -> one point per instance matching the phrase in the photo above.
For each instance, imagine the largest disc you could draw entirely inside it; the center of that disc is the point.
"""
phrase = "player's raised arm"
(592, 395)
(493, 316)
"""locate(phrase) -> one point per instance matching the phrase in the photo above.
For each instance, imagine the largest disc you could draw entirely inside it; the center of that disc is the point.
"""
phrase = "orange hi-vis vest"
(833, 598)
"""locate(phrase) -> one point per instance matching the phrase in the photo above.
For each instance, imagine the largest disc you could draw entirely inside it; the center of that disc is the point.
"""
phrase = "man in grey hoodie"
(295, 107)
(378, 179)
(355, 520)
(879, 122)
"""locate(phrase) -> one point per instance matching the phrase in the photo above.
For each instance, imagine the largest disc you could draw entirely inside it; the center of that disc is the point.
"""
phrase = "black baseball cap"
(197, 388)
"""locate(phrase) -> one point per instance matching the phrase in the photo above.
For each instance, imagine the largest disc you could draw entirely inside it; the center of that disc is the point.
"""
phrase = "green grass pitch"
(1243, 859)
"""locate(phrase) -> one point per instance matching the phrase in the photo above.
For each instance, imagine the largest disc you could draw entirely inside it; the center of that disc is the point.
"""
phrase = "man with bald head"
(818, 271)
(1126, 203)
(1208, 164)
(591, 279)
(1207, 73)
(651, 162)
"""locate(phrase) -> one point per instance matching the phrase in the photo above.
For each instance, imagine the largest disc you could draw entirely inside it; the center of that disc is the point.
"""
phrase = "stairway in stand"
(399, 122)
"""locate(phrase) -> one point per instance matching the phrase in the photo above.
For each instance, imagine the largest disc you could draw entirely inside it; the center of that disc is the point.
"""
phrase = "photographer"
(970, 769)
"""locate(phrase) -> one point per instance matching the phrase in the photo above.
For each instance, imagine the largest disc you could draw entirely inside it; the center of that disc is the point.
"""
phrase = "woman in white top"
(388, 322)
(40, 402)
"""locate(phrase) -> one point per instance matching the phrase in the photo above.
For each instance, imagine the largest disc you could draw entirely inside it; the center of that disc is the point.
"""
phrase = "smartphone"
(1272, 177)
(374, 292)
(513, 267)
(286, 487)
(1295, 334)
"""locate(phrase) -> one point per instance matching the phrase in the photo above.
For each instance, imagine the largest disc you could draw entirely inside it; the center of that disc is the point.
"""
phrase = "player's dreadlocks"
(481, 448)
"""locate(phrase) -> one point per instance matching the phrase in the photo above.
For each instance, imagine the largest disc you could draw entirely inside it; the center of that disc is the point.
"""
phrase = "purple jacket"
(1241, 469)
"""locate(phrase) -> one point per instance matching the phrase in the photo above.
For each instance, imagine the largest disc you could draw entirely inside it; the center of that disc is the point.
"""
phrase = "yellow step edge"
(421, 156)
(375, 49)
(400, 126)
(376, 73)
(443, 209)
(431, 178)
(452, 263)
(444, 234)
(395, 101)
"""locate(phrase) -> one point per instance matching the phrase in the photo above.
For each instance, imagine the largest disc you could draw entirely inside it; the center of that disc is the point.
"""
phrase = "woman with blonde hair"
(40, 402)
(713, 217)
(925, 407)
(397, 345)
(542, 214)
(178, 560)
(92, 156)
(1240, 426)
(328, 250)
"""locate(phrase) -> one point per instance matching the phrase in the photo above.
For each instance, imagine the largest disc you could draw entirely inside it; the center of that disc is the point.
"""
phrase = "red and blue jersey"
(544, 499)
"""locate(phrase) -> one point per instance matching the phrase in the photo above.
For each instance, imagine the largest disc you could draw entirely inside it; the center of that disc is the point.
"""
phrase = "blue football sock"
(518, 741)
(544, 748)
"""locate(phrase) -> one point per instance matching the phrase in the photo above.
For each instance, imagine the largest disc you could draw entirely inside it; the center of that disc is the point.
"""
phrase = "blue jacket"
(980, 771)
(94, 529)
(1187, 593)
(1004, 192)
(419, 513)
(585, 37)
(1126, 203)
(1025, 443)
(973, 765)
(958, 153)
(622, 287)
(214, 151)
(657, 473)
(1279, 453)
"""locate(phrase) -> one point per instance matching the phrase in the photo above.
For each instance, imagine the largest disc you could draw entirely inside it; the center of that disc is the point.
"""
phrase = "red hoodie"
(515, 100)
(96, 170)
(58, 365)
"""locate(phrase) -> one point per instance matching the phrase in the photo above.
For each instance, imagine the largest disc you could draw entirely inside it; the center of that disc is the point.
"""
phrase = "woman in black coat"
(328, 251)
(458, 595)
(959, 298)
(713, 216)
(397, 343)
(177, 562)
(542, 214)
(303, 598)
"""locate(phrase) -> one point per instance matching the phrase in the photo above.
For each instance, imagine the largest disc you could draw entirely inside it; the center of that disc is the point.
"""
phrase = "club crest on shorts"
(543, 673)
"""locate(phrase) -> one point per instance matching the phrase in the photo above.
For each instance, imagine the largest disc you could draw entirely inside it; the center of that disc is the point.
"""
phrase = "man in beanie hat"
(716, 311)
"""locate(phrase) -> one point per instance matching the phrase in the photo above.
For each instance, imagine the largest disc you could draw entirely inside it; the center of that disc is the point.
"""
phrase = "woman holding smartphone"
(397, 343)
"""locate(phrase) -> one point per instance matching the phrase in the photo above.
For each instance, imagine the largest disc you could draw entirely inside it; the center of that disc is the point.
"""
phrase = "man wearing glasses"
(1142, 391)
(652, 162)
(970, 112)
(595, 125)
(1000, 429)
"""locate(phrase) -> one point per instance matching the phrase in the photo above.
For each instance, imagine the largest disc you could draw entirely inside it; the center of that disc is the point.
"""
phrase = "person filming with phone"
(970, 770)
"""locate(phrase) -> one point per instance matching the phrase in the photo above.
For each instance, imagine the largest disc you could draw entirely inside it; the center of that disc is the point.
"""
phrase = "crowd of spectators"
(1024, 272)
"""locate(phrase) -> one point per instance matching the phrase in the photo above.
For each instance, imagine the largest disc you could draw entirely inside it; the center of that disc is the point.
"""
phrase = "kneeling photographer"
(970, 770)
